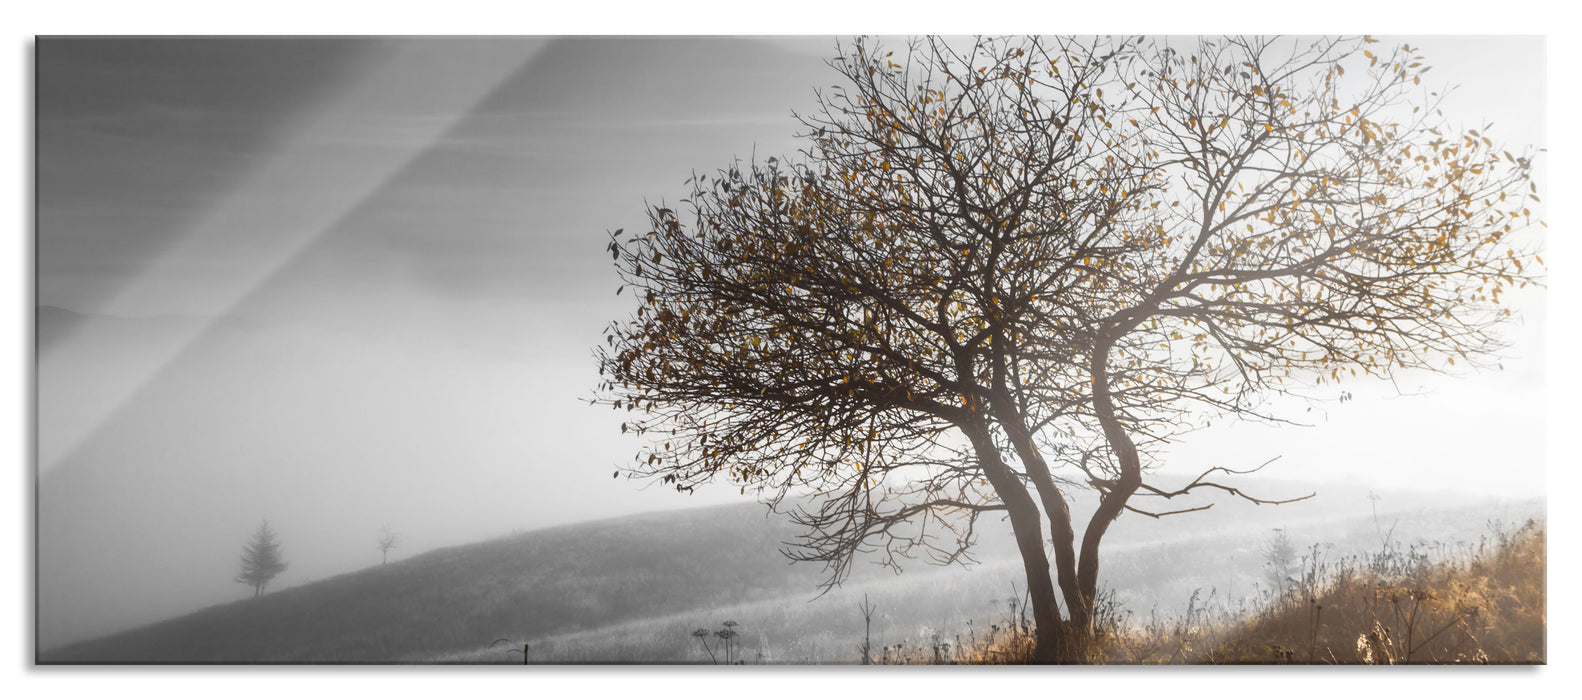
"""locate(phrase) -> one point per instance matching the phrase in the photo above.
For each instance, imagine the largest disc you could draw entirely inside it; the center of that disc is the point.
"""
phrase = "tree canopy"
(1004, 271)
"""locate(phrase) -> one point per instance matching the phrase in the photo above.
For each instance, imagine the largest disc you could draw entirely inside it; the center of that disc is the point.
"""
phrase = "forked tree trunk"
(1077, 632)
(1063, 538)
(1055, 507)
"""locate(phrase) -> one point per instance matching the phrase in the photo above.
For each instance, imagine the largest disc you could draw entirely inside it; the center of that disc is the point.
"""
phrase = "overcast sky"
(343, 284)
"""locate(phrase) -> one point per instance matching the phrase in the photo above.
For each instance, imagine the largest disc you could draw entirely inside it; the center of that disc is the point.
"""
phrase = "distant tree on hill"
(261, 559)
(388, 540)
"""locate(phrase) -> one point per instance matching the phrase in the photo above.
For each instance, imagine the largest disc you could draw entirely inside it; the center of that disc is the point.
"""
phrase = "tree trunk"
(1048, 630)
(1118, 493)
(1055, 507)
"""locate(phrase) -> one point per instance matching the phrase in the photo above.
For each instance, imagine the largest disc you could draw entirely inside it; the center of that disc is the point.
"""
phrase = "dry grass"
(1482, 604)
(1487, 606)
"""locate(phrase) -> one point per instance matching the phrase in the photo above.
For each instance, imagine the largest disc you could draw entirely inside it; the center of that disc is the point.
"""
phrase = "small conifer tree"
(261, 559)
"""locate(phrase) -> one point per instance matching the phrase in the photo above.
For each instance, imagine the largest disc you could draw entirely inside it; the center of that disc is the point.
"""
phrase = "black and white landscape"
(362, 290)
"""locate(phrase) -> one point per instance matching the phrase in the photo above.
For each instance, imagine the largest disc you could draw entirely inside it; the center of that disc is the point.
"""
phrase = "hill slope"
(632, 589)
(537, 583)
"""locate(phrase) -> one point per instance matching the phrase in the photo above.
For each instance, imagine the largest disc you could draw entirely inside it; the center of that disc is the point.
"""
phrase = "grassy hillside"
(534, 584)
(635, 589)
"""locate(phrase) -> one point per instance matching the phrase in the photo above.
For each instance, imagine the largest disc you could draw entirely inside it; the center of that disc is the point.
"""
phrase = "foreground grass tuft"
(1398, 608)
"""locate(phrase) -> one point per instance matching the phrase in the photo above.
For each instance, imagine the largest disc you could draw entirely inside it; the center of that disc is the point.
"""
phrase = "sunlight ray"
(230, 231)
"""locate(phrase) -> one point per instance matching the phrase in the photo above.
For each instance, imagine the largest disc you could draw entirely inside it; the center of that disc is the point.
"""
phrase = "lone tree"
(1001, 273)
(261, 560)
(388, 540)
